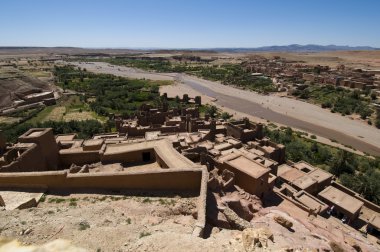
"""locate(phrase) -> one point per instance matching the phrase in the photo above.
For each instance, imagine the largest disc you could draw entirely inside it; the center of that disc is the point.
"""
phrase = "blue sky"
(188, 24)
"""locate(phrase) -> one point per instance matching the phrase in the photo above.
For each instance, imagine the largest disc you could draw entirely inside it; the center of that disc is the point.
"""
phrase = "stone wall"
(46, 142)
(174, 180)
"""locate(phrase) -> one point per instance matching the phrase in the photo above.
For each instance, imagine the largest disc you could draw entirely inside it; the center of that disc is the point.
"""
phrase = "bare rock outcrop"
(254, 239)
(234, 220)
(243, 203)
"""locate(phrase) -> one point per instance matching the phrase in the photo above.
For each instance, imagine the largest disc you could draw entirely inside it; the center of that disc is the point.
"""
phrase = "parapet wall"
(175, 179)
(68, 157)
(171, 179)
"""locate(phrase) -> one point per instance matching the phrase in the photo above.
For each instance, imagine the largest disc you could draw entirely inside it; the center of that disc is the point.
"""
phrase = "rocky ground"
(236, 221)
(98, 222)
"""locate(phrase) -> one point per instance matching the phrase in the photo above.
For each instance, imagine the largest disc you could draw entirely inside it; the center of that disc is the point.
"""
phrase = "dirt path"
(283, 110)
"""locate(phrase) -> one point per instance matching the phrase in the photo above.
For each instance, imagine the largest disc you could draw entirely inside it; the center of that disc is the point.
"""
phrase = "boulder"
(283, 222)
(256, 238)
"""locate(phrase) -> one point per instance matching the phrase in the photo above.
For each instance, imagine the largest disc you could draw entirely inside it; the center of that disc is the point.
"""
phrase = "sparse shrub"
(336, 247)
(147, 200)
(143, 234)
(43, 198)
(313, 137)
(103, 198)
(73, 203)
(83, 225)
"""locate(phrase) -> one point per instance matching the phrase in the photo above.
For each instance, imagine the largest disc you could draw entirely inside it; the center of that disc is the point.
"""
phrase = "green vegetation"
(228, 74)
(214, 112)
(338, 99)
(167, 202)
(361, 174)
(234, 74)
(100, 94)
(73, 203)
(377, 122)
(56, 200)
(43, 198)
(84, 129)
(147, 200)
(107, 94)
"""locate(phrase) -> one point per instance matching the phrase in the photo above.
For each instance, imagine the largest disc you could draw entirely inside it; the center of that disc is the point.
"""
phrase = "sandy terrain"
(101, 67)
(294, 113)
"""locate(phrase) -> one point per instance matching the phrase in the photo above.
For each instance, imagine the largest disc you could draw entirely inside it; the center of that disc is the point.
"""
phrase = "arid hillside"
(14, 83)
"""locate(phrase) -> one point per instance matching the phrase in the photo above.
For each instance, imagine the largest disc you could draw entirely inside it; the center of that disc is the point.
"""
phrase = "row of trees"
(84, 129)
(229, 74)
(339, 99)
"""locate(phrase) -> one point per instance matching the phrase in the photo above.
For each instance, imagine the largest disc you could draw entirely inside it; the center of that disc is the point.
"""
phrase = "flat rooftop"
(375, 221)
(303, 166)
(310, 201)
(257, 152)
(223, 146)
(320, 175)
(35, 133)
(304, 182)
(283, 168)
(66, 137)
(93, 142)
(248, 166)
(291, 175)
(341, 199)
(163, 148)
(268, 149)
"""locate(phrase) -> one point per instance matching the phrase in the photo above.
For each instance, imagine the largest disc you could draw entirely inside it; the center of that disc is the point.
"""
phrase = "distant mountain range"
(298, 48)
(285, 48)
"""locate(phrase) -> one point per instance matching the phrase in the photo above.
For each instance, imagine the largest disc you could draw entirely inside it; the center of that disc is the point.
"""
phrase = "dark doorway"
(146, 156)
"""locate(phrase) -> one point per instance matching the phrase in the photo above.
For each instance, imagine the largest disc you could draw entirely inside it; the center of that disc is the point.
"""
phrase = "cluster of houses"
(287, 73)
(162, 139)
